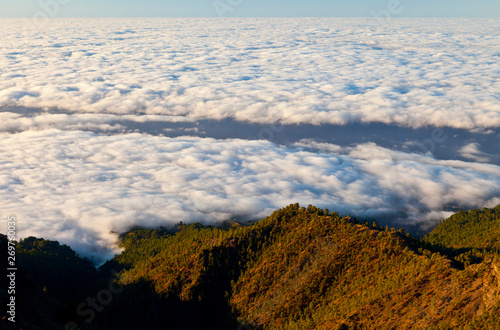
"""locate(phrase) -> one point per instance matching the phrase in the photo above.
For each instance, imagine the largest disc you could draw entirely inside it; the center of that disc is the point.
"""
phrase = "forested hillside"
(474, 229)
(300, 268)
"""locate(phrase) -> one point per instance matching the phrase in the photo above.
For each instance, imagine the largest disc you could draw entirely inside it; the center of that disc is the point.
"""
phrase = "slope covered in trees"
(474, 229)
(300, 268)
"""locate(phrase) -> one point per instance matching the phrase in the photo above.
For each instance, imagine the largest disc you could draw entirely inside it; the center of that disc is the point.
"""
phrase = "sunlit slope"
(300, 268)
(474, 229)
(307, 268)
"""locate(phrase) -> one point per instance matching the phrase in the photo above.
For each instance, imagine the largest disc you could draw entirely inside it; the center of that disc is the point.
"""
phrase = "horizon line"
(230, 17)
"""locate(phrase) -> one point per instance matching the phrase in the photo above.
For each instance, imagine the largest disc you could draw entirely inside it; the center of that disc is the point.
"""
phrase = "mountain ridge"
(299, 268)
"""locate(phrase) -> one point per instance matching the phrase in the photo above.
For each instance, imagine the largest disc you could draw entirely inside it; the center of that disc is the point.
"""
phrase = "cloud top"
(413, 72)
(94, 161)
(81, 188)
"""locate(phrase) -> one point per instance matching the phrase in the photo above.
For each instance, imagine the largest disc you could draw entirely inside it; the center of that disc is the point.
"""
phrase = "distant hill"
(474, 229)
(300, 268)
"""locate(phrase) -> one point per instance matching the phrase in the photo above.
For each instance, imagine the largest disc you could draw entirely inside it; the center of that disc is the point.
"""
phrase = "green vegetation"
(467, 230)
(300, 268)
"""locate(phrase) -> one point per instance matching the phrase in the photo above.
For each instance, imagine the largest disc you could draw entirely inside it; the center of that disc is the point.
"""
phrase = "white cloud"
(13, 122)
(416, 72)
(471, 151)
(80, 187)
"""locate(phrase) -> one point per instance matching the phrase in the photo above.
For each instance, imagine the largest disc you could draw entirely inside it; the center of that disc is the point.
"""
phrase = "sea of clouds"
(413, 72)
(81, 188)
(81, 98)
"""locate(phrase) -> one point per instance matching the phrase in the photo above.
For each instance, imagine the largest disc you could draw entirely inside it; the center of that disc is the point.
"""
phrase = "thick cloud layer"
(80, 187)
(106, 124)
(412, 72)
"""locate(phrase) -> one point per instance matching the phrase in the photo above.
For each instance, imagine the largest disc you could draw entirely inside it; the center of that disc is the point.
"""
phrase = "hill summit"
(300, 268)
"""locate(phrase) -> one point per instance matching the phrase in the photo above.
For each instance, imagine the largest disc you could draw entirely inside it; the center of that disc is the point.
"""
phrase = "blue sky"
(249, 8)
